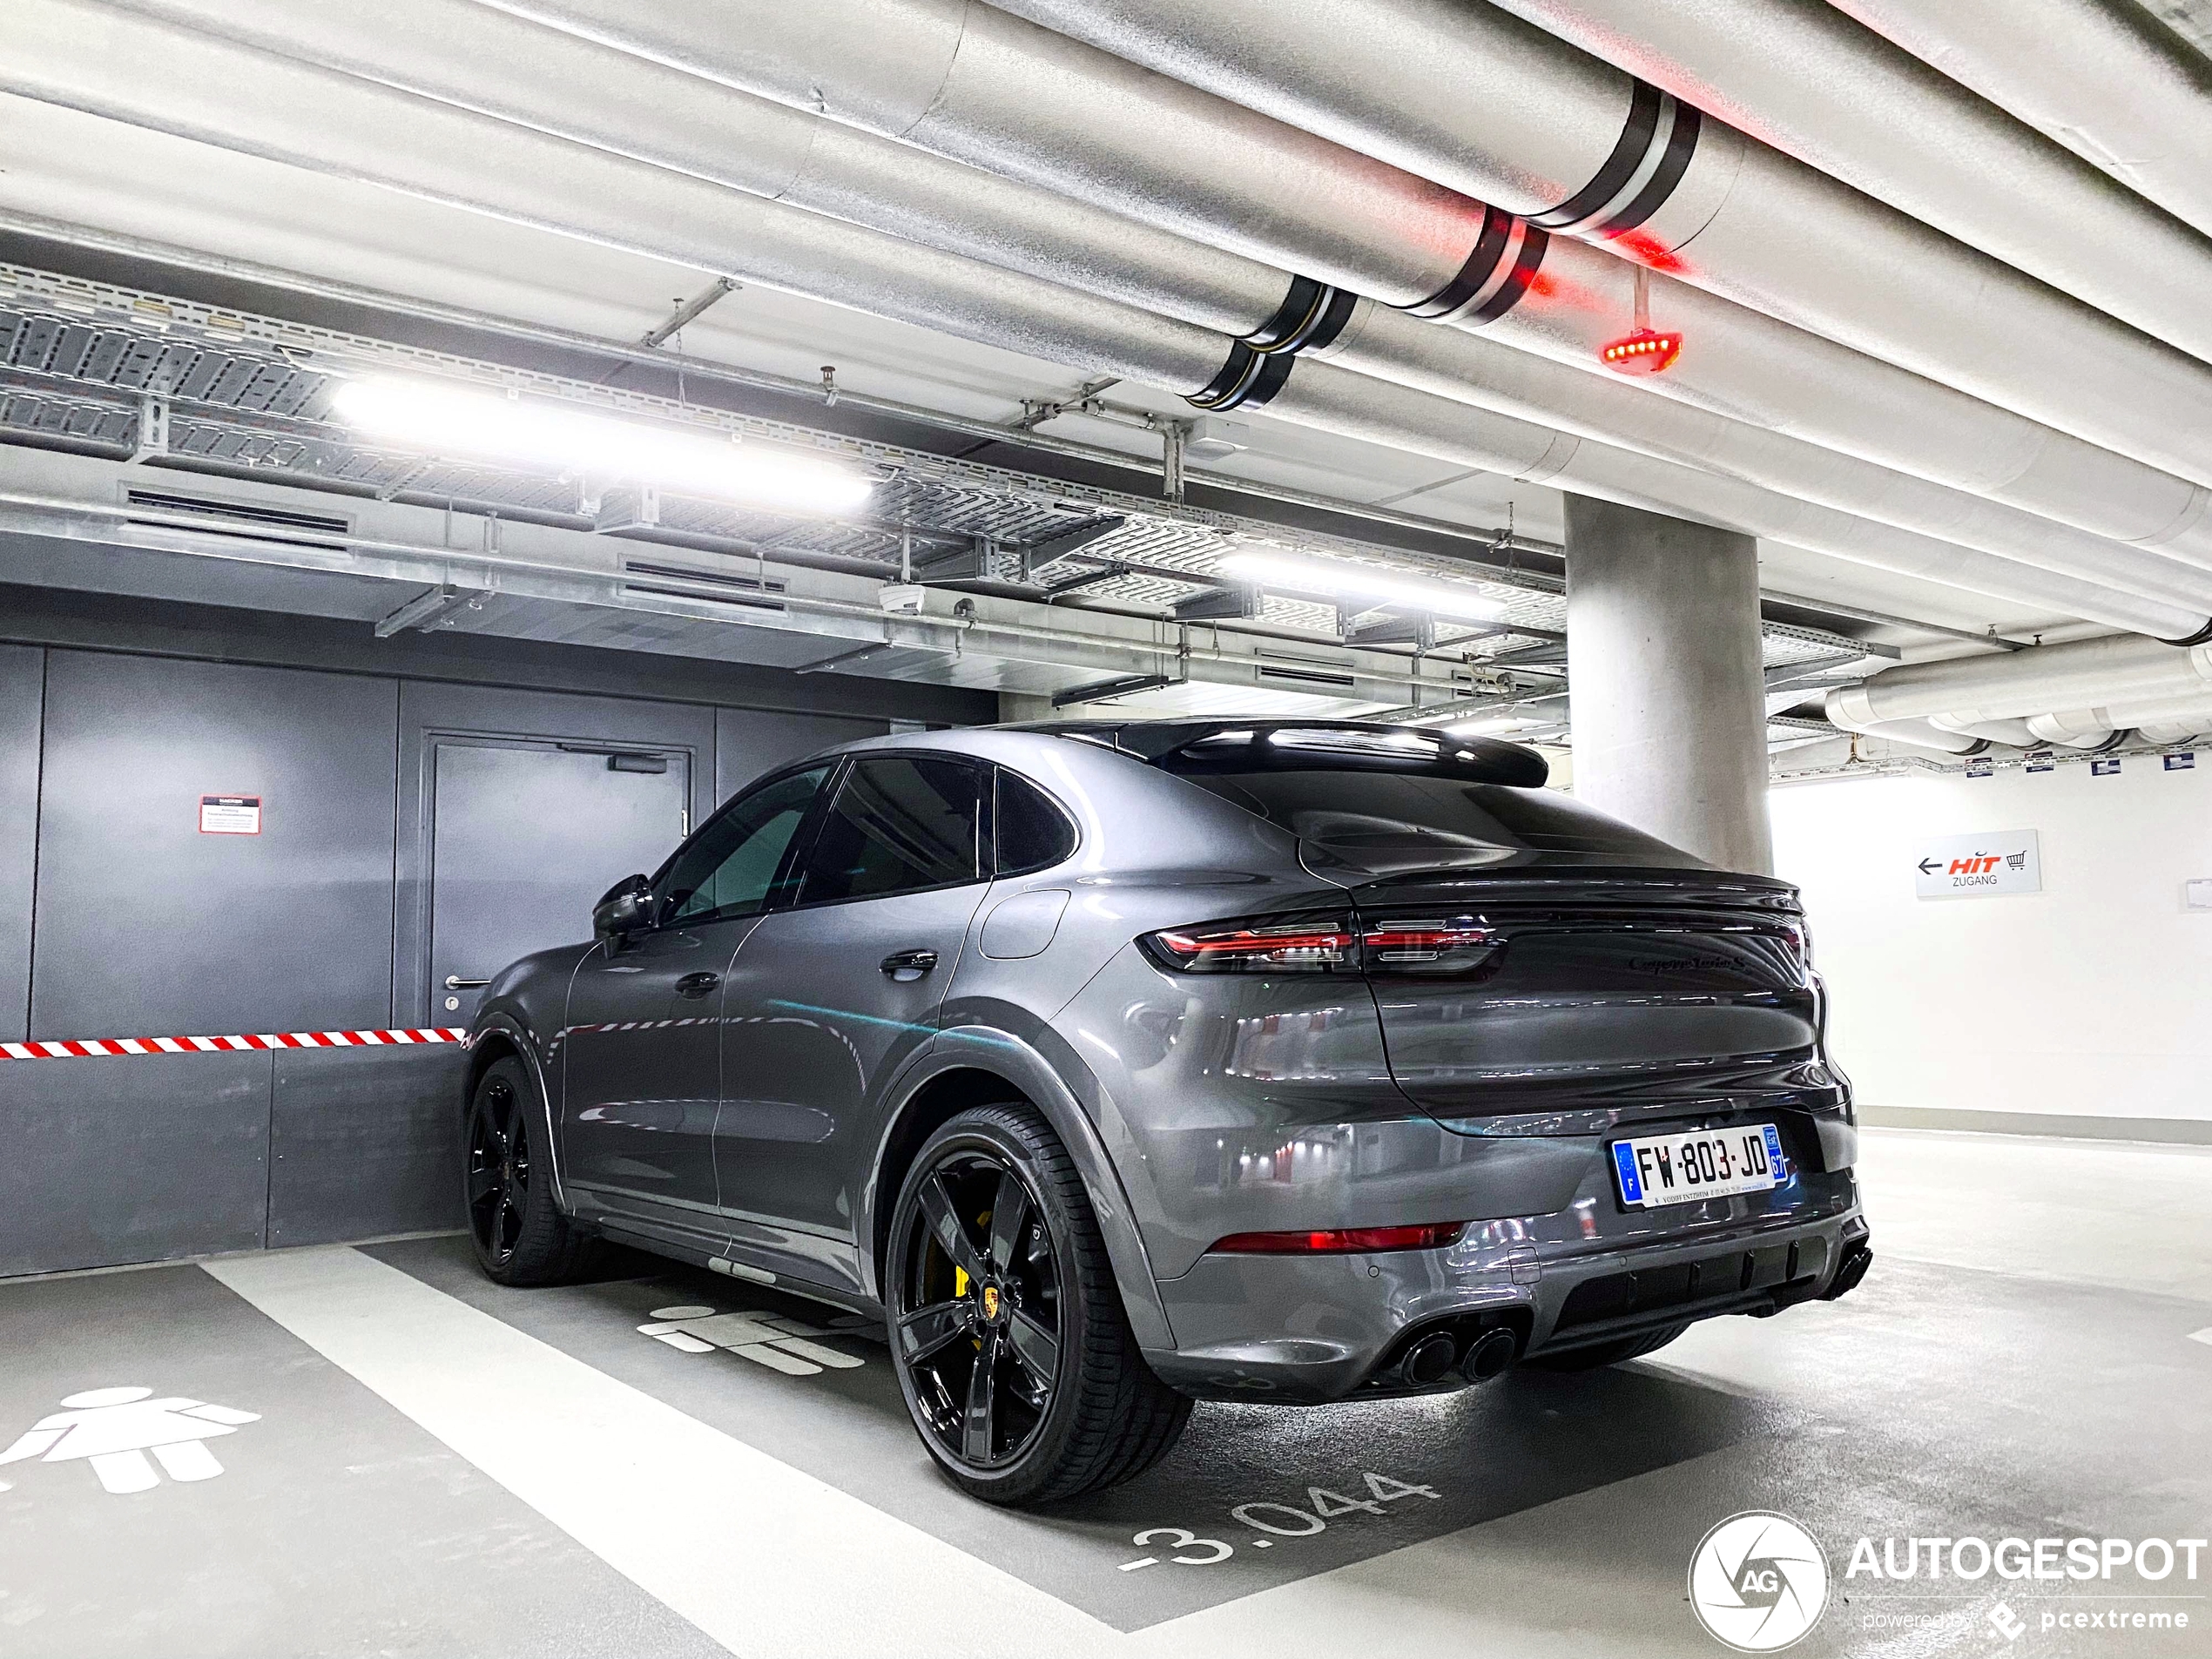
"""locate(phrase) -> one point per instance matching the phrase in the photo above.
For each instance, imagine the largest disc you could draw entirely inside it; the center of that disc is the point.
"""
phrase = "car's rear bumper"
(1316, 1328)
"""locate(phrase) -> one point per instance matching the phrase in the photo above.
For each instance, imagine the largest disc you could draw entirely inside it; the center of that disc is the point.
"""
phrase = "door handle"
(697, 985)
(907, 966)
(454, 983)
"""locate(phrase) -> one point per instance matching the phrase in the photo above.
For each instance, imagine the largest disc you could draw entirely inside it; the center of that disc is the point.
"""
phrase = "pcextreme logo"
(1758, 1581)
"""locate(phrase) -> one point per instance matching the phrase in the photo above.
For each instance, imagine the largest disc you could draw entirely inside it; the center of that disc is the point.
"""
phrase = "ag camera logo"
(1758, 1581)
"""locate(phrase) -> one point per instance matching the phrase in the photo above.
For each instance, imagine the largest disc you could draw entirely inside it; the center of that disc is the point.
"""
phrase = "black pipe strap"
(1331, 322)
(1301, 305)
(1247, 379)
(1524, 272)
(1312, 315)
(1496, 226)
(1628, 151)
(1682, 145)
(2202, 637)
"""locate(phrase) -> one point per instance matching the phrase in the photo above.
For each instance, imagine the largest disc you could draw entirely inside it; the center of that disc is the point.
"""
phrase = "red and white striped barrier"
(86, 1047)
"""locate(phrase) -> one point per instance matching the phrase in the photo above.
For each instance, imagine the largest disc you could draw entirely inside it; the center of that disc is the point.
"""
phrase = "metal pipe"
(2012, 733)
(1920, 734)
(1744, 366)
(97, 240)
(1839, 97)
(221, 93)
(443, 49)
(1488, 104)
(2106, 81)
(1013, 640)
(2083, 674)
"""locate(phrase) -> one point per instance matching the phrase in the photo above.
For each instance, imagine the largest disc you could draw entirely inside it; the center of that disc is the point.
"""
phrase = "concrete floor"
(434, 1465)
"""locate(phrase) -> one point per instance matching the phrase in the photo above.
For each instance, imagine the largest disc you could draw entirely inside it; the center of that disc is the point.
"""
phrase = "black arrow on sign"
(1929, 866)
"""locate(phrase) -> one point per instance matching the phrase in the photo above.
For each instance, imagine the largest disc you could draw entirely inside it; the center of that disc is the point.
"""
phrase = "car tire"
(1088, 1413)
(520, 1235)
(1607, 1354)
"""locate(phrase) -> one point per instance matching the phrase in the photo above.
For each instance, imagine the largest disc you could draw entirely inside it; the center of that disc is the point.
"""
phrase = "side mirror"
(626, 907)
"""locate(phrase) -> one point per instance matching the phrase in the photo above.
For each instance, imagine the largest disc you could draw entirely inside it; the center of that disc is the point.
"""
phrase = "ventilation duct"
(2106, 80)
(1812, 83)
(2083, 729)
(2012, 733)
(1495, 107)
(2119, 672)
(1920, 734)
(2176, 730)
(1219, 174)
(93, 58)
(444, 48)
(2159, 720)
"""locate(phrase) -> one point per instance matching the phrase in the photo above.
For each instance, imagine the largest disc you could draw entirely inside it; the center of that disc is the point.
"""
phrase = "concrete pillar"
(1663, 650)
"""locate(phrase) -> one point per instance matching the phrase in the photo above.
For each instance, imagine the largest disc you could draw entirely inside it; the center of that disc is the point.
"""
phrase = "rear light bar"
(1343, 1241)
(1332, 944)
(1259, 947)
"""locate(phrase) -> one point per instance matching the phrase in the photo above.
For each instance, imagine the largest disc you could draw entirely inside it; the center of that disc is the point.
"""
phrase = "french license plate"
(1704, 1163)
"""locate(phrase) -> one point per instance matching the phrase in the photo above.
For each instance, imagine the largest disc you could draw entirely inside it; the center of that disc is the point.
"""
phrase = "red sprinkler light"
(1645, 351)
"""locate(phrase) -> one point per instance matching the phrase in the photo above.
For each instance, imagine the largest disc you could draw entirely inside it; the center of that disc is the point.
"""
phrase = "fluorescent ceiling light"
(1333, 580)
(1493, 725)
(459, 421)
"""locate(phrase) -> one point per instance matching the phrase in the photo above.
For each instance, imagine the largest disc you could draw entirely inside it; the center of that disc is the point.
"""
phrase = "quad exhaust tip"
(1427, 1360)
(1858, 1257)
(1437, 1356)
(1487, 1356)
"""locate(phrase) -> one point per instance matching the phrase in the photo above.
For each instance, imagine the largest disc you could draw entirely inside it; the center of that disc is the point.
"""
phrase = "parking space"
(392, 1474)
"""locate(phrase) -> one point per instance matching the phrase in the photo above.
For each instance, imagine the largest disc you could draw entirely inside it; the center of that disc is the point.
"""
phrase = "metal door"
(524, 838)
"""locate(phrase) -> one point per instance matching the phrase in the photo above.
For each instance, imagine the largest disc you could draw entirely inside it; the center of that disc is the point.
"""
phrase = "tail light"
(1269, 945)
(1434, 946)
(1343, 1241)
(1800, 943)
(1325, 944)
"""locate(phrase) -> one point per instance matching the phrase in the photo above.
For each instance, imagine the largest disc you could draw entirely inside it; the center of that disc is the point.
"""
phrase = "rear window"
(1384, 822)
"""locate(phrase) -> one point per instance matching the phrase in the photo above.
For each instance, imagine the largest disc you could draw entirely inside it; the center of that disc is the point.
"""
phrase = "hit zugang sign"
(1982, 866)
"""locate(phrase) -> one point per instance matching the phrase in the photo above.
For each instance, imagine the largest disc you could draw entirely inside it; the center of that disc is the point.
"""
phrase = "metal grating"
(80, 360)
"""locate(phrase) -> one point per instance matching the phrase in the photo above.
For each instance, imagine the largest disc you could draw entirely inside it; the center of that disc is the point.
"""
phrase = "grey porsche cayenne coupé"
(1120, 1065)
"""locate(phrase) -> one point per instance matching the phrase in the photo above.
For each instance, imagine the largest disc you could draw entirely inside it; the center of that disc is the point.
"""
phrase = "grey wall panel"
(146, 926)
(430, 711)
(364, 1141)
(748, 742)
(138, 1158)
(22, 673)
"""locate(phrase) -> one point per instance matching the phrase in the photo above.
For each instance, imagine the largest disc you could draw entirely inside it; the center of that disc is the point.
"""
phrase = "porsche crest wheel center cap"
(991, 1303)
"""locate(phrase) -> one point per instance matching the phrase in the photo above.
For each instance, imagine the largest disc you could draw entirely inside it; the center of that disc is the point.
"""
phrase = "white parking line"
(2203, 1336)
(765, 1560)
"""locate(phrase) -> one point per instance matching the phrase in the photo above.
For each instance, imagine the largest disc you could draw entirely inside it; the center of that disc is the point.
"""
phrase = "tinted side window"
(730, 870)
(1032, 833)
(898, 823)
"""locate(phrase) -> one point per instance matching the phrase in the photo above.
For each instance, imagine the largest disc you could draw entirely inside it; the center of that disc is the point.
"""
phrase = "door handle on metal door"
(697, 985)
(907, 966)
(454, 983)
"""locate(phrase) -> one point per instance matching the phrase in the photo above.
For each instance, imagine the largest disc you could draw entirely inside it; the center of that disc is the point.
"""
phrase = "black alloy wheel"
(499, 1170)
(520, 1235)
(979, 1310)
(1008, 1332)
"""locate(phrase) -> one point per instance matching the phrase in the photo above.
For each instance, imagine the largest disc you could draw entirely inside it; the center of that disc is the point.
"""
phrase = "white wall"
(2093, 997)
